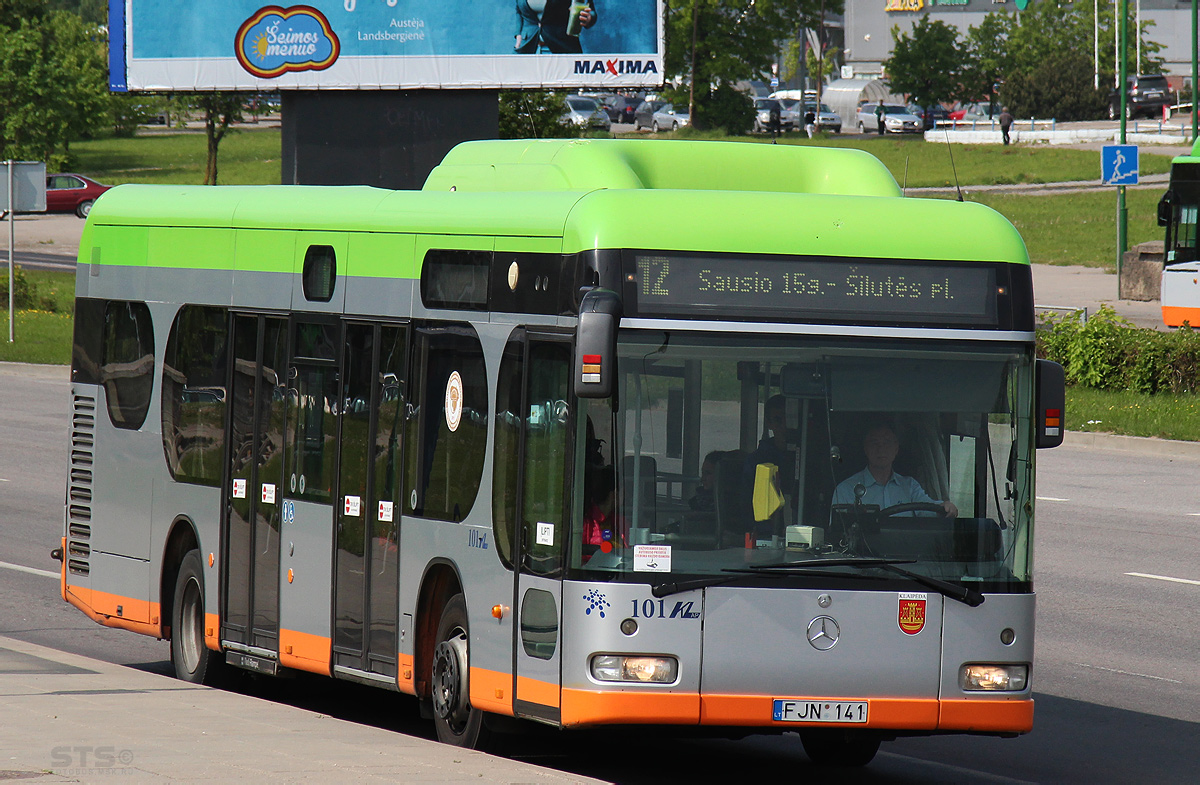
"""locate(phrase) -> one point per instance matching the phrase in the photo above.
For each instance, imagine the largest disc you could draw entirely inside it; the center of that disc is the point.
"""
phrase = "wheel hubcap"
(450, 701)
(190, 631)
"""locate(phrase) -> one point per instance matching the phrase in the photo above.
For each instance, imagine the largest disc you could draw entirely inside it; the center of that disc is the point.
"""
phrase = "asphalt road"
(1118, 581)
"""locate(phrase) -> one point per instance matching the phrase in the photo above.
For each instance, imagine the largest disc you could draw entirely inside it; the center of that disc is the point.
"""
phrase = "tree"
(715, 43)
(221, 109)
(927, 65)
(53, 82)
(1060, 87)
(534, 114)
(987, 59)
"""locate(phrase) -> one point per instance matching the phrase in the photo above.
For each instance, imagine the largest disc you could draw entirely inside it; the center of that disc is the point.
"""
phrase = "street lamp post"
(1122, 68)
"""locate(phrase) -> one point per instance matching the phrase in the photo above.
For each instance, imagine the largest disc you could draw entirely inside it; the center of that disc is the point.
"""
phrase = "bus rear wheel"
(457, 722)
(840, 748)
(193, 661)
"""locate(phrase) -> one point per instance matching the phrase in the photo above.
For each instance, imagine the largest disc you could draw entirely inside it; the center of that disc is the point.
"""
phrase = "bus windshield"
(1181, 243)
(727, 451)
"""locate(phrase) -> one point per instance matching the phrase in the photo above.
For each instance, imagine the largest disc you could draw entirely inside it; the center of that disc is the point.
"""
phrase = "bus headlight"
(993, 678)
(639, 669)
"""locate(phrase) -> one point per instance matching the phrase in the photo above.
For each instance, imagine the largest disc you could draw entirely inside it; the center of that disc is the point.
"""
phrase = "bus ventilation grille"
(79, 490)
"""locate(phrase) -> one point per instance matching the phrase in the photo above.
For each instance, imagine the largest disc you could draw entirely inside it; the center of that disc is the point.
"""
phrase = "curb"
(1141, 445)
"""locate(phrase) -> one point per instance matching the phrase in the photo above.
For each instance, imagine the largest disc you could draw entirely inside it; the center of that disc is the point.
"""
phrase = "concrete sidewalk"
(65, 718)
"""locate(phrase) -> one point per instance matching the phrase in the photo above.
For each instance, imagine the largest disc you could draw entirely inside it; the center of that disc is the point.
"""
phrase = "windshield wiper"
(963, 594)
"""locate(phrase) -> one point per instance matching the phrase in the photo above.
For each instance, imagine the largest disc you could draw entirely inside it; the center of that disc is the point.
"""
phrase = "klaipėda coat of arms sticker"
(911, 612)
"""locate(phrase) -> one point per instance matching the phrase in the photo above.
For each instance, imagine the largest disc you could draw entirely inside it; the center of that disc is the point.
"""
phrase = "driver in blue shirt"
(880, 484)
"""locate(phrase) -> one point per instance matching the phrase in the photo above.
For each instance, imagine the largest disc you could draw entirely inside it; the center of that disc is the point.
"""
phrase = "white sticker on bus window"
(454, 401)
(652, 558)
(354, 506)
(385, 512)
(268, 493)
(545, 533)
(239, 488)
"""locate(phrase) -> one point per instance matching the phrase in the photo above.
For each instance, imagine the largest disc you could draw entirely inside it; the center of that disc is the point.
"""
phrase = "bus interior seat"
(731, 502)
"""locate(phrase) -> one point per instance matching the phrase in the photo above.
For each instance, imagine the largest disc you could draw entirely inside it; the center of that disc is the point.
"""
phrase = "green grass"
(41, 336)
(1134, 414)
(245, 157)
(1077, 228)
(916, 163)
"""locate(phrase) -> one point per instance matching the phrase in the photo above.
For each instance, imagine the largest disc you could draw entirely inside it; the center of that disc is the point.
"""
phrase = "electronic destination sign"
(819, 289)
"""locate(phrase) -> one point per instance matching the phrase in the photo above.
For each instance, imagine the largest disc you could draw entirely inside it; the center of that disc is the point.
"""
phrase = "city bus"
(557, 439)
(1177, 212)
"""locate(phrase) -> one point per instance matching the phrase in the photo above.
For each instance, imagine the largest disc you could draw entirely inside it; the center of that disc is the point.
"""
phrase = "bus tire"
(840, 748)
(193, 661)
(457, 722)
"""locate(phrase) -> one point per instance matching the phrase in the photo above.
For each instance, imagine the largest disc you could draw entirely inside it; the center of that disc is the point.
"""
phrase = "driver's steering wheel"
(898, 509)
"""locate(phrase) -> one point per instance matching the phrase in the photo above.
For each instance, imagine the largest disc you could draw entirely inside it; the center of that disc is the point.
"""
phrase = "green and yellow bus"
(1179, 213)
(560, 438)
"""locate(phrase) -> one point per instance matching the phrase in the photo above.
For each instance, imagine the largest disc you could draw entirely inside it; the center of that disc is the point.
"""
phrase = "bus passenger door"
(250, 555)
(543, 510)
(366, 574)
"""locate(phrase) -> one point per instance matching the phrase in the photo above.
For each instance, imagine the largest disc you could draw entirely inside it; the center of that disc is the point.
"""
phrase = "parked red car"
(72, 193)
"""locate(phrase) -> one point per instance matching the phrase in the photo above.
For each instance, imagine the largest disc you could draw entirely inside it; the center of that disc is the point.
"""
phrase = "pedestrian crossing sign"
(1119, 164)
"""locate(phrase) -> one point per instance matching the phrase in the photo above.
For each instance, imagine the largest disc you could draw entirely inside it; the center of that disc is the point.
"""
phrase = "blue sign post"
(1119, 164)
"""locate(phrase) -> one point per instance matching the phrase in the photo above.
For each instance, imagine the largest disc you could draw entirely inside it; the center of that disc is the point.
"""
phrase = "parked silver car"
(827, 119)
(585, 112)
(668, 118)
(896, 120)
(765, 110)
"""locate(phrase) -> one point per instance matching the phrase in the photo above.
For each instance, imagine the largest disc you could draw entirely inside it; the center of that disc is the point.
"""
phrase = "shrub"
(25, 295)
(1107, 352)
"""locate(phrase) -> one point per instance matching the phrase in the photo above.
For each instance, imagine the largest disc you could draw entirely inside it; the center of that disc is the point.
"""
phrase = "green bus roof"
(643, 194)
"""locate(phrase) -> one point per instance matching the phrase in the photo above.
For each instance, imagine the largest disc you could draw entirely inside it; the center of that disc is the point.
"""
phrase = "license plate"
(798, 710)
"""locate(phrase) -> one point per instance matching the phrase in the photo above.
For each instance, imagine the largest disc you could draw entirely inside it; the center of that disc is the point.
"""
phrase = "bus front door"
(544, 506)
(367, 520)
(250, 547)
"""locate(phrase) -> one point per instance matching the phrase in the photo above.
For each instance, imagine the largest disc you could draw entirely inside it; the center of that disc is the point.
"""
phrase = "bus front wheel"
(194, 662)
(456, 721)
(840, 748)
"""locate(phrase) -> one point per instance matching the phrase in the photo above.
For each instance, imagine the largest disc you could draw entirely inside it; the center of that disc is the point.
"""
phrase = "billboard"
(199, 45)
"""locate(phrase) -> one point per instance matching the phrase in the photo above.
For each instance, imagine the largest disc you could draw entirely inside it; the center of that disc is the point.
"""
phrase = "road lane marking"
(1051, 499)
(1163, 578)
(1127, 673)
(30, 570)
(968, 775)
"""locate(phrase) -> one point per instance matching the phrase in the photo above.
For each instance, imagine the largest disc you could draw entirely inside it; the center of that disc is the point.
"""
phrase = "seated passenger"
(881, 485)
(602, 527)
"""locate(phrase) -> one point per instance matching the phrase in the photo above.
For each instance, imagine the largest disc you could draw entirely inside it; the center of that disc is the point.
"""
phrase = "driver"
(880, 484)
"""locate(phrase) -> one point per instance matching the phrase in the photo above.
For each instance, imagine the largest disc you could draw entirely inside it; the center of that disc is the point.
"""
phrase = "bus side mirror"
(596, 343)
(1051, 403)
(1164, 209)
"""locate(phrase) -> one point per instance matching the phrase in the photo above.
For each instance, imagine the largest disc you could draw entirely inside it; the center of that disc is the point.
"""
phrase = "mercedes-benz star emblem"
(823, 633)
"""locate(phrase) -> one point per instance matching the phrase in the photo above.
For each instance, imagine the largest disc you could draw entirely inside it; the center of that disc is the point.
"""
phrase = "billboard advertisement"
(384, 44)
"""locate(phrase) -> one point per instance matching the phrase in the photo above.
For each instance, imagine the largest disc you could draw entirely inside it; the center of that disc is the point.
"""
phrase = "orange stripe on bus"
(101, 607)
(592, 707)
(491, 691)
(910, 713)
(304, 652)
(534, 691)
(1176, 315)
(62, 574)
(404, 674)
(987, 715)
(212, 631)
